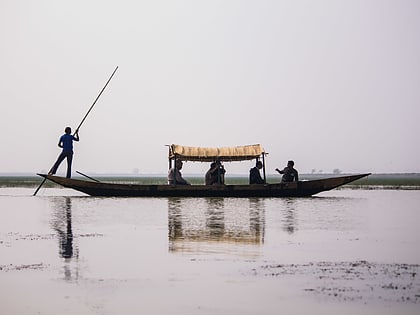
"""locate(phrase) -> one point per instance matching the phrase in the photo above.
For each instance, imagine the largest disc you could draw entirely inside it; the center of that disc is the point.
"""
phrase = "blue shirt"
(67, 142)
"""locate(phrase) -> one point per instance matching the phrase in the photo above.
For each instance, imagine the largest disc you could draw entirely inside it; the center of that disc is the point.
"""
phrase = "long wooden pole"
(83, 120)
(100, 93)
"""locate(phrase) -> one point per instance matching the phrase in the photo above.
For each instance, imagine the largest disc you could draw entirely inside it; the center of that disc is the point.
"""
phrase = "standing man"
(289, 173)
(65, 142)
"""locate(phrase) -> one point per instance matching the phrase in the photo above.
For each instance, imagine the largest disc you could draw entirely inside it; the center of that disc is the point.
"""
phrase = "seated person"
(254, 174)
(216, 174)
(177, 179)
(289, 173)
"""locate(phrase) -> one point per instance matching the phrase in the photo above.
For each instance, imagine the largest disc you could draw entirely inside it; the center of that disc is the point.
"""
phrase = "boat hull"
(292, 189)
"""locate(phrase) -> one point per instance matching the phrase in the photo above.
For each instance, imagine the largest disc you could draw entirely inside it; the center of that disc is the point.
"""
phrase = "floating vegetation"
(12, 267)
(351, 281)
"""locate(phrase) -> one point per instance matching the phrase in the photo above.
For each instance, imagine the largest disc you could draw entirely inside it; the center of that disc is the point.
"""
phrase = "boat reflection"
(215, 224)
(289, 215)
(62, 224)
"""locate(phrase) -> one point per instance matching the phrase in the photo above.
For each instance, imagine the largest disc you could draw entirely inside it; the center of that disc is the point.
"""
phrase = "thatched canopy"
(226, 154)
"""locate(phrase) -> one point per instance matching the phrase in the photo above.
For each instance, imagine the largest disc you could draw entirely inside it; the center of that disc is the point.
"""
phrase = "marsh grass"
(374, 181)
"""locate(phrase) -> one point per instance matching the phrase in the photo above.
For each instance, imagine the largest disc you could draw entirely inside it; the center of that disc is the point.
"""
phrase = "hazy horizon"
(164, 174)
(329, 84)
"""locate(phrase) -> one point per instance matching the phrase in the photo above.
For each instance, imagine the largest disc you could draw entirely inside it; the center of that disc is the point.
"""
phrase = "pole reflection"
(62, 224)
(215, 224)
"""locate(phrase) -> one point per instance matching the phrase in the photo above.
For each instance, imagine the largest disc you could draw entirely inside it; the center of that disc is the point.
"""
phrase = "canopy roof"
(227, 154)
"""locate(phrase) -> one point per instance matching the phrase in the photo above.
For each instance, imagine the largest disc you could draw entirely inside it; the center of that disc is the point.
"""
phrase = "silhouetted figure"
(289, 173)
(65, 142)
(216, 174)
(175, 176)
(254, 174)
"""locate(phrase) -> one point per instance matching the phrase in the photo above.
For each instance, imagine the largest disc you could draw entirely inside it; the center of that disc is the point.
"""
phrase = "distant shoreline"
(406, 181)
(310, 175)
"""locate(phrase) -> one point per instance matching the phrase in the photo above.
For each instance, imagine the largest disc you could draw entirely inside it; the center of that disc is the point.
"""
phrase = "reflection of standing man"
(63, 226)
(65, 142)
(67, 241)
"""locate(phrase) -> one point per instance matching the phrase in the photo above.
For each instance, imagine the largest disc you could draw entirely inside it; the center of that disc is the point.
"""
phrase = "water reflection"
(289, 215)
(214, 224)
(62, 224)
(316, 213)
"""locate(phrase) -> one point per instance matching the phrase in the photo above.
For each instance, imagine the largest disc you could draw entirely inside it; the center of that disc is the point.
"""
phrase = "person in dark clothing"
(216, 174)
(175, 176)
(254, 174)
(289, 173)
(65, 142)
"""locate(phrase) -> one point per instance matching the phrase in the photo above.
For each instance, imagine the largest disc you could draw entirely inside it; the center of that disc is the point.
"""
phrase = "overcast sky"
(330, 84)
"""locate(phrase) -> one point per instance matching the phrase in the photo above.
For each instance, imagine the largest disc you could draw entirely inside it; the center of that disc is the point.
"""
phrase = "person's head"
(213, 165)
(67, 130)
(259, 165)
(290, 163)
(178, 164)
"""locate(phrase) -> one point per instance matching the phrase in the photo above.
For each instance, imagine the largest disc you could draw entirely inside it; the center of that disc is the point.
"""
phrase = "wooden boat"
(291, 189)
(200, 154)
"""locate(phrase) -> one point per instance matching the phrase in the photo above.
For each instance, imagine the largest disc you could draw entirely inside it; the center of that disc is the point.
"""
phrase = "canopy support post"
(174, 174)
(263, 158)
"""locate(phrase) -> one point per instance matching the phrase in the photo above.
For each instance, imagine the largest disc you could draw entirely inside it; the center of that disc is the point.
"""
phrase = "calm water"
(347, 251)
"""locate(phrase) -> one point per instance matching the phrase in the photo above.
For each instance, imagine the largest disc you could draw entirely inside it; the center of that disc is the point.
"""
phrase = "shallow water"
(348, 251)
